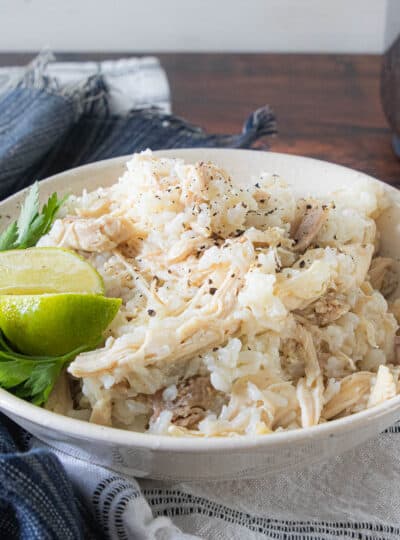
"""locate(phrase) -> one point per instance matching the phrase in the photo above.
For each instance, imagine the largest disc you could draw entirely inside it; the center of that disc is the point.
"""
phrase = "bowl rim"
(81, 429)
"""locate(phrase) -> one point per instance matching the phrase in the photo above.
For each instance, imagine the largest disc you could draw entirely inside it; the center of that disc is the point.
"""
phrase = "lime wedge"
(47, 270)
(54, 324)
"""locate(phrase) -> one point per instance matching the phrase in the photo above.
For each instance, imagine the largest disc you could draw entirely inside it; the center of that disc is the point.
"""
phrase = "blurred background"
(328, 69)
(356, 26)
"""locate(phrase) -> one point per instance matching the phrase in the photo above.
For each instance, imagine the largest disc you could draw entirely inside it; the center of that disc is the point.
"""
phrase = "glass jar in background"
(390, 75)
(390, 90)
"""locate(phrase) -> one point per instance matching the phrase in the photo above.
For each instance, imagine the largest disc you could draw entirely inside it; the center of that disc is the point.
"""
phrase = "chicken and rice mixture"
(245, 311)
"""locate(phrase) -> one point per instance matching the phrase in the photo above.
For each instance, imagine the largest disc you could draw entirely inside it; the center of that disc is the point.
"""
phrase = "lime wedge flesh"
(47, 270)
(54, 324)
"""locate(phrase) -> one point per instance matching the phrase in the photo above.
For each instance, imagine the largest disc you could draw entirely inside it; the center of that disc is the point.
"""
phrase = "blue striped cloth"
(37, 500)
(45, 128)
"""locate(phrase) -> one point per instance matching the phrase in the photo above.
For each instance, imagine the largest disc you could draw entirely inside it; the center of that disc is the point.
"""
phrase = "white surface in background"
(196, 25)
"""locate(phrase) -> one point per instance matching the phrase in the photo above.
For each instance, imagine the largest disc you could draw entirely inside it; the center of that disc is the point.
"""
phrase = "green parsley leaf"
(29, 211)
(13, 372)
(40, 383)
(50, 209)
(8, 237)
(31, 224)
(32, 377)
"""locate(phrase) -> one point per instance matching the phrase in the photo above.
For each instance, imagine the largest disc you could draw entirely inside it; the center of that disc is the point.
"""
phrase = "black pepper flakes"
(212, 291)
(302, 264)
(151, 313)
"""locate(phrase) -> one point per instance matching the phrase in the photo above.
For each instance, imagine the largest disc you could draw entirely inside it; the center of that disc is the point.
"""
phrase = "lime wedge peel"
(47, 270)
(55, 324)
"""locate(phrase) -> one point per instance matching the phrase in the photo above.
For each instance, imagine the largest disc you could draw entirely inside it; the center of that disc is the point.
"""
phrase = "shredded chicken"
(310, 389)
(187, 246)
(192, 332)
(384, 387)
(101, 412)
(60, 399)
(244, 309)
(195, 397)
(353, 389)
(326, 309)
(92, 234)
(377, 271)
(309, 227)
(397, 349)
(382, 275)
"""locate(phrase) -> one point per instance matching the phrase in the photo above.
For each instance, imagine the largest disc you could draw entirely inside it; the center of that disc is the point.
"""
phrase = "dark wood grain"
(328, 106)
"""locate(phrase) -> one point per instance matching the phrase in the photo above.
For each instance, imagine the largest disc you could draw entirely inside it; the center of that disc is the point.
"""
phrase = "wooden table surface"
(327, 106)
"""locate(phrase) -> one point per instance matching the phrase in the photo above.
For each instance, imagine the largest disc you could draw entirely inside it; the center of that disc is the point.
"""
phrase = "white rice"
(212, 285)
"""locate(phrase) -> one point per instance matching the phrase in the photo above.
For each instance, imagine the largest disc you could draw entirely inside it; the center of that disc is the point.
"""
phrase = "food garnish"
(29, 377)
(55, 324)
(47, 270)
(32, 222)
(52, 306)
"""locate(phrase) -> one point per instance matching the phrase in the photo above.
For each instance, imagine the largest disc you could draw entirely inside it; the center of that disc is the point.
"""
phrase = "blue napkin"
(46, 128)
(36, 497)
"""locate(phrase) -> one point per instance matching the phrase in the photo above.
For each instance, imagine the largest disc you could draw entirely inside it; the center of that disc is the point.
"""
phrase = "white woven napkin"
(356, 495)
(133, 83)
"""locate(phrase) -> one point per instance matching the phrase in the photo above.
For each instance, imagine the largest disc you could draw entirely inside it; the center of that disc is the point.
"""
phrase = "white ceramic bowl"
(219, 458)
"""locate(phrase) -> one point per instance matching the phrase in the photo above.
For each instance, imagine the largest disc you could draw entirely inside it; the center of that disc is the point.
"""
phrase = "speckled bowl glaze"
(165, 457)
